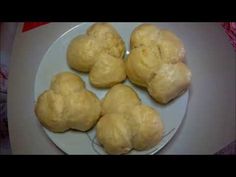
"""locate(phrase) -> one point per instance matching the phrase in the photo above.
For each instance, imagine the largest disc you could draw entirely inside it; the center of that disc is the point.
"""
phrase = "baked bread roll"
(153, 51)
(67, 105)
(126, 123)
(101, 41)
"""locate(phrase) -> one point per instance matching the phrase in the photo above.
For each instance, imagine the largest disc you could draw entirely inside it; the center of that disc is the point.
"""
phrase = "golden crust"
(107, 71)
(153, 49)
(67, 105)
(169, 82)
(114, 134)
(101, 41)
(119, 99)
(126, 123)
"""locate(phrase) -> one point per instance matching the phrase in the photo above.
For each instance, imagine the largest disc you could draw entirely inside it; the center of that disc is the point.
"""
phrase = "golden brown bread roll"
(153, 51)
(101, 41)
(126, 123)
(67, 105)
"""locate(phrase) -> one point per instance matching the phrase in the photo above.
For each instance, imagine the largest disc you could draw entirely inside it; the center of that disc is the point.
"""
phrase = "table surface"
(208, 126)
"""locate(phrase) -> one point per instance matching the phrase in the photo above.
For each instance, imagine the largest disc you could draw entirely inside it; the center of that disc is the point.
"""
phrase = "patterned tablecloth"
(7, 32)
(230, 29)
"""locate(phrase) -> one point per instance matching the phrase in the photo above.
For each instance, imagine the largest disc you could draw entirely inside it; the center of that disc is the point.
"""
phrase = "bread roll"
(156, 63)
(127, 123)
(67, 105)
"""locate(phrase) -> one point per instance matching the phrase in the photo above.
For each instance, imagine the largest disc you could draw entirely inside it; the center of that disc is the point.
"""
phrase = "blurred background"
(7, 34)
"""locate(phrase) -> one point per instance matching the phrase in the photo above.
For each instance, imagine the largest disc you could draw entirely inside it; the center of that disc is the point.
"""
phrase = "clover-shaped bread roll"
(101, 42)
(67, 105)
(126, 123)
(153, 50)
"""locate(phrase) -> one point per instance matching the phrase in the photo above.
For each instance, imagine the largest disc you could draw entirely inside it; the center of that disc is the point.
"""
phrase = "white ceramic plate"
(74, 142)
